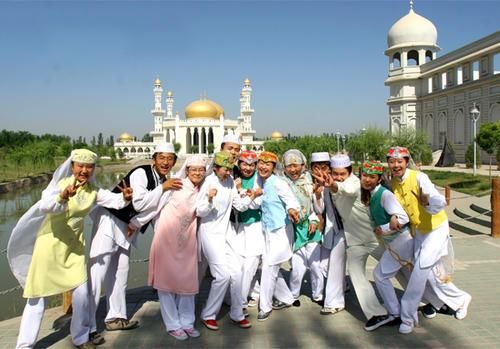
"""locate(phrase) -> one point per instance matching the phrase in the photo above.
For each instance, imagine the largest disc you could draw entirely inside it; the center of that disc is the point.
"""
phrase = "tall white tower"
(246, 112)
(411, 42)
(158, 113)
(170, 105)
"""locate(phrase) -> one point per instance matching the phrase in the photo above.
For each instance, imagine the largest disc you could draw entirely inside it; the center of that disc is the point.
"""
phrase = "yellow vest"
(419, 217)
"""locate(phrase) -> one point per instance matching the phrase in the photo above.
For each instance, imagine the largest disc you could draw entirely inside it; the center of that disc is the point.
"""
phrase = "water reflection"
(14, 205)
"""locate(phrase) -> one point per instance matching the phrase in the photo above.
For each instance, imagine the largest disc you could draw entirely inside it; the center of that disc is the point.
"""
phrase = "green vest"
(251, 215)
(379, 216)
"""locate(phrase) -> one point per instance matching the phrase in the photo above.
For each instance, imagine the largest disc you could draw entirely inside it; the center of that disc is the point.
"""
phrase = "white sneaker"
(178, 334)
(405, 328)
(461, 312)
(192, 332)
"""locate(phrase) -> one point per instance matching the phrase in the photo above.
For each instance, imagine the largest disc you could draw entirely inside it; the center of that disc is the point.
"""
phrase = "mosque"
(201, 131)
(436, 94)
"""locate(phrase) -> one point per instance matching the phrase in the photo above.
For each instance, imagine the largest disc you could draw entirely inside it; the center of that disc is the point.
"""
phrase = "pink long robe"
(173, 259)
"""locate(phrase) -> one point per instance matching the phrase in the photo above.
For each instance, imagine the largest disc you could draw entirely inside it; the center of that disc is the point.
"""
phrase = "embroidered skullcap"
(224, 159)
(340, 161)
(83, 156)
(294, 156)
(248, 156)
(165, 148)
(372, 167)
(320, 157)
(398, 152)
(267, 156)
(198, 160)
(231, 138)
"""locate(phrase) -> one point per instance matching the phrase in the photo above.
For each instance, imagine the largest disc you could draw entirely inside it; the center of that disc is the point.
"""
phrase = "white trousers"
(307, 257)
(357, 256)
(33, 314)
(225, 275)
(273, 283)
(249, 269)
(335, 273)
(109, 265)
(434, 243)
(177, 310)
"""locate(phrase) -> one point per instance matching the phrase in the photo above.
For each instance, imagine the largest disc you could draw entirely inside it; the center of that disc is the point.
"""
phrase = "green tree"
(210, 148)
(488, 139)
(177, 147)
(147, 138)
(416, 142)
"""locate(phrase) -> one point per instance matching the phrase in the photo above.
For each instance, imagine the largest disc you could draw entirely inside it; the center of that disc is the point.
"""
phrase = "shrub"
(469, 156)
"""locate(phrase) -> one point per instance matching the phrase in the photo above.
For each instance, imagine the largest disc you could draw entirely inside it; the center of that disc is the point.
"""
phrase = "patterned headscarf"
(267, 156)
(83, 156)
(398, 153)
(372, 167)
(294, 156)
(248, 157)
(224, 159)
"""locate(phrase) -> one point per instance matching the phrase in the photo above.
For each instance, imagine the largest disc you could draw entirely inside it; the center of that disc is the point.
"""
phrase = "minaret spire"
(411, 5)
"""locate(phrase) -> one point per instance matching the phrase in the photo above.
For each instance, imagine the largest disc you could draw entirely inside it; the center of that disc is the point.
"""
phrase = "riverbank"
(26, 182)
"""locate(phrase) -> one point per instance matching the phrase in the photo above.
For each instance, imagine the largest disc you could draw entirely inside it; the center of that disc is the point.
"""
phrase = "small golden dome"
(157, 81)
(170, 94)
(276, 136)
(247, 82)
(126, 137)
(203, 109)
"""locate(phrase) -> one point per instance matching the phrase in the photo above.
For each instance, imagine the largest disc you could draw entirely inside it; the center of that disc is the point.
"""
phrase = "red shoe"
(242, 324)
(211, 324)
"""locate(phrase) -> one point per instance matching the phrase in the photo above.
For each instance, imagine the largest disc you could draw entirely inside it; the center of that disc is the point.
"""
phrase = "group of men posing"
(246, 215)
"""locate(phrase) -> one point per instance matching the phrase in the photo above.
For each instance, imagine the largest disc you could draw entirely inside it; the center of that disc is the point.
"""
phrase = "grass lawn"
(461, 182)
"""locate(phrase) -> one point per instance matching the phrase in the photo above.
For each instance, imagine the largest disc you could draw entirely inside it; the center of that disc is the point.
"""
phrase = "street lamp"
(338, 141)
(474, 114)
(345, 141)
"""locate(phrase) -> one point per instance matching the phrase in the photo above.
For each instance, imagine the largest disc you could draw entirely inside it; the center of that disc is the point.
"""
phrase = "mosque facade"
(201, 131)
(435, 94)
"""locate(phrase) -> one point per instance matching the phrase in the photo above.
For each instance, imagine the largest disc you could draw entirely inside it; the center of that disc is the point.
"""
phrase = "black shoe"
(263, 316)
(446, 310)
(396, 322)
(277, 305)
(296, 303)
(321, 303)
(377, 321)
(428, 311)
(96, 338)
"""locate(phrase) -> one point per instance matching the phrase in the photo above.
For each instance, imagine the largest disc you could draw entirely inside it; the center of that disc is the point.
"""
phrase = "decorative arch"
(442, 128)
(412, 57)
(428, 56)
(495, 112)
(396, 60)
(459, 134)
(429, 128)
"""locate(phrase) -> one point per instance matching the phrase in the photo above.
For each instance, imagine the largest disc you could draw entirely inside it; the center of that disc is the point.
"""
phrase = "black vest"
(128, 212)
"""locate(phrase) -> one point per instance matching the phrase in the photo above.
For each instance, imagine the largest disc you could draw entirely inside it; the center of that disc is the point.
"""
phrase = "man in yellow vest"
(432, 247)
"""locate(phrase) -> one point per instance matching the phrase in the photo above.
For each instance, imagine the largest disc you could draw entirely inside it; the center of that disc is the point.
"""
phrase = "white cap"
(165, 148)
(231, 138)
(199, 160)
(320, 157)
(340, 161)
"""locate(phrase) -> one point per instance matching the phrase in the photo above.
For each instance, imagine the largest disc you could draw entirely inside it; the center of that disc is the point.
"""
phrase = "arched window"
(428, 56)
(459, 127)
(396, 60)
(413, 57)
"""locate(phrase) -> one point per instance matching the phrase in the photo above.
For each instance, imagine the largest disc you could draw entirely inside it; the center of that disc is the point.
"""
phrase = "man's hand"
(294, 215)
(423, 199)
(172, 184)
(312, 228)
(131, 230)
(126, 191)
(394, 223)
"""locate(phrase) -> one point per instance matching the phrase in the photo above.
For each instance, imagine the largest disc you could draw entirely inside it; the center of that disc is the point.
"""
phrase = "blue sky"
(80, 68)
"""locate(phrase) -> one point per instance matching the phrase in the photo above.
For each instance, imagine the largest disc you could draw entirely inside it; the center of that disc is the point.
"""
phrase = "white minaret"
(246, 112)
(411, 42)
(158, 113)
(170, 105)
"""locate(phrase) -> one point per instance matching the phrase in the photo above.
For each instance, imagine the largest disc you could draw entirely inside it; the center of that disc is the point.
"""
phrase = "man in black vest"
(110, 249)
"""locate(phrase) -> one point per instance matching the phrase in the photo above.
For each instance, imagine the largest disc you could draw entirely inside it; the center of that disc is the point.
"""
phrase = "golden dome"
(157, 81)
(203, 109)
(126, 137)
(170, 94)
(276, 136)
(247, 82)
